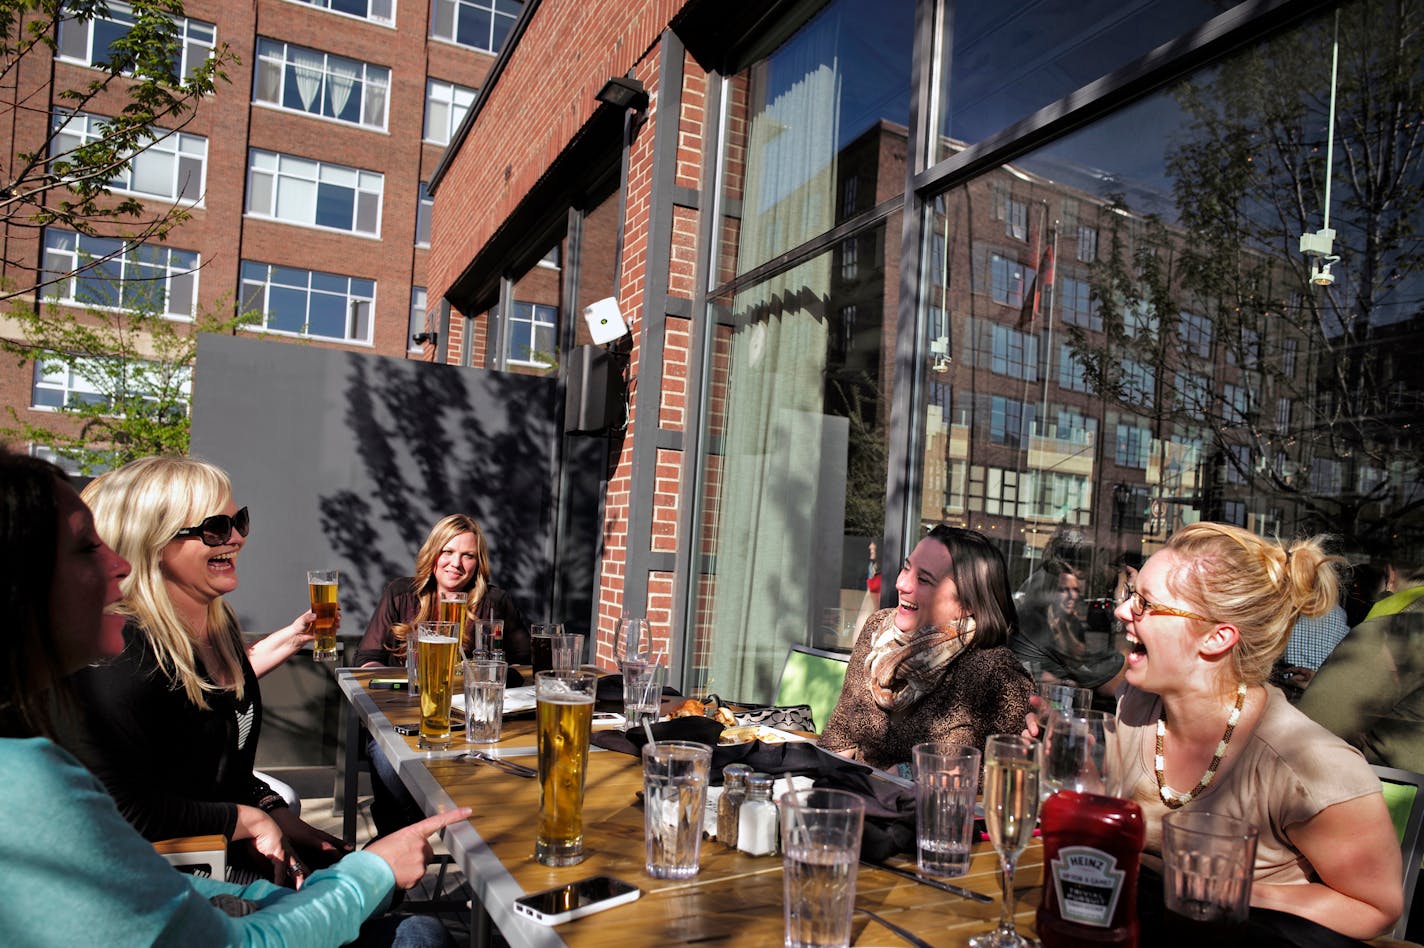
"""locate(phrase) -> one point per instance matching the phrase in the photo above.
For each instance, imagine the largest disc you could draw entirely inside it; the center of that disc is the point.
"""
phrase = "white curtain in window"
(343, 77)
(308, 67)
(780, 518)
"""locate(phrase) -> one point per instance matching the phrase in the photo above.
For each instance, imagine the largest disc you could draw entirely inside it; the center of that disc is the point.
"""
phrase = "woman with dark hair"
(936, 667)
(78, 872)
(1051, 636)
(453, 558)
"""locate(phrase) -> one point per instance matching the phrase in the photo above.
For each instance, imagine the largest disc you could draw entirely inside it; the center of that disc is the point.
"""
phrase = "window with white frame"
(107, 272)
(70, 382)
(377, 11)
(417, 318)
(446, 104)
(850, 258)
(423, 213)
(1139, 382)
(1008, 279)
(531, 330)
(1196, 333)
(172, 166)
(314, 193)
(1075, 302)
(88, 42)
(1283, 414)
(1013, 353)
(1087, 243)
(309, 302)
(478, 24)
(1133, 445)
(299, 79)
(1072, 374)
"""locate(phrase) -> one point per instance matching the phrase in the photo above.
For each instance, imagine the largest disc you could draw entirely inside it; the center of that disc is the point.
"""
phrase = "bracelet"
(272, 801)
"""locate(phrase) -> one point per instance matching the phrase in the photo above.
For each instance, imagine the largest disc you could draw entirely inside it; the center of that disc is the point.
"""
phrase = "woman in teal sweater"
(78, 872)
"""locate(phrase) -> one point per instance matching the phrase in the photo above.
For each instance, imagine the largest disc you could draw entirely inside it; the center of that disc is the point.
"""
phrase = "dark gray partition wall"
(346, 461)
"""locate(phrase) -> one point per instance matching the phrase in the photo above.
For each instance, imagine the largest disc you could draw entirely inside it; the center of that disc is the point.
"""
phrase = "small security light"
(624, 92)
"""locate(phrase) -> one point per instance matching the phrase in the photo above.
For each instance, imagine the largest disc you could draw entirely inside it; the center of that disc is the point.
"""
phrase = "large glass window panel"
(1006, 61)
(793, 474)
(1226, 377)
(815, 113)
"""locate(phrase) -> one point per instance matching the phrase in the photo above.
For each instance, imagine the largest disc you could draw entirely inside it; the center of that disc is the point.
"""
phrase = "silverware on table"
(909, 936)
(932, 883)
(508, 766)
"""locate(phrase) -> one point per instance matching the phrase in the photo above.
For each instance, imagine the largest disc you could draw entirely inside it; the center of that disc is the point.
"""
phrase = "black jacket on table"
(174, 769)
(401, 603)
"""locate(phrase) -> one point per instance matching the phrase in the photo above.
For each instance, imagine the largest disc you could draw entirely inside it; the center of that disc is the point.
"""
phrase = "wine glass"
(1075, 752)
(1011, 775)
(634, 642)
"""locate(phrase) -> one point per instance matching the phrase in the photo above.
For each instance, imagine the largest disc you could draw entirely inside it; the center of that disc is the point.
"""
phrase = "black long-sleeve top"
(400, 602)
(174, 769)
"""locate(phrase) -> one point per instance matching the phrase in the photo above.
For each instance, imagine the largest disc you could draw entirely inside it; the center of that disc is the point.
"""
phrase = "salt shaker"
(757, 821)
(729, 804)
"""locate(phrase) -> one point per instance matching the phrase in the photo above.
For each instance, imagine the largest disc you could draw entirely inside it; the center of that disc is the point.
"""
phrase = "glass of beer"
(564, 719)
(438, 643)
(452, 609)
(321, 585)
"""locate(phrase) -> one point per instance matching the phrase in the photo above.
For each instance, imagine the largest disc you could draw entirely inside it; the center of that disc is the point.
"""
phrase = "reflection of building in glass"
(872, 300)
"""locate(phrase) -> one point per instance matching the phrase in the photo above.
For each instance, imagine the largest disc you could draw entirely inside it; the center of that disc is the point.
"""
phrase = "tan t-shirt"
(1287, 770)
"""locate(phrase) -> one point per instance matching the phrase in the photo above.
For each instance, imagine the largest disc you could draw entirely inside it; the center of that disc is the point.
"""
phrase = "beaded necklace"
(1172, 798)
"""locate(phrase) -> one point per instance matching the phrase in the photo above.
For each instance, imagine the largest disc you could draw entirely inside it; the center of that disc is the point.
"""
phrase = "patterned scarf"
(902, 667)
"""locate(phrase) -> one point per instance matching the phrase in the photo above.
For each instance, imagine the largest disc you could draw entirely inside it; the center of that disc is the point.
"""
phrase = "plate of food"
(747, 733)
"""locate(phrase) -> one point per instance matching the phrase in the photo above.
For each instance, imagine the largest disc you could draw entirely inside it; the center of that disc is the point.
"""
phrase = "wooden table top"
(733, 897)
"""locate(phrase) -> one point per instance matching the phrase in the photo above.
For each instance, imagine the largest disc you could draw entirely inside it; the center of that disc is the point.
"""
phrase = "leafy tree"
(1249, 176)
(138, 367)
(69, 187)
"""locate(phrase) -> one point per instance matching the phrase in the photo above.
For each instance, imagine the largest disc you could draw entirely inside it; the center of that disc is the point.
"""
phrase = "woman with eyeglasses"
(1199, 727)
(76, 872)
(171, 725)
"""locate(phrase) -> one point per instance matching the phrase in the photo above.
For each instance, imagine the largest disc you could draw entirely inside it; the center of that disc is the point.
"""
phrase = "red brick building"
(304, 173)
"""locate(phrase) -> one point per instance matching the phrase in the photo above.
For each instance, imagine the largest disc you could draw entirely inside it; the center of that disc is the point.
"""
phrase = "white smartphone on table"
(575, 900)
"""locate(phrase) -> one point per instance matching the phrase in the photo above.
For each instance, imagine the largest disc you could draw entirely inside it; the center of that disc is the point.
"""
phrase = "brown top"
(1287, 770)
(983, 692)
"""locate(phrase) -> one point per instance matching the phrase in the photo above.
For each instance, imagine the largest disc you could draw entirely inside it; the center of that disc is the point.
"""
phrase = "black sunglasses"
(217, 529)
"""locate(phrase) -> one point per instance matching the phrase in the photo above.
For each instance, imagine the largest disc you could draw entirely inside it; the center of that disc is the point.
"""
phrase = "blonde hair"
(426, 587)
(1260, 586)
(138, 509)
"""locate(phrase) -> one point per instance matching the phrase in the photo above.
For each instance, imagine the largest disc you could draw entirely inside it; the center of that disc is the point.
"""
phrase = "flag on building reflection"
(1035, 299)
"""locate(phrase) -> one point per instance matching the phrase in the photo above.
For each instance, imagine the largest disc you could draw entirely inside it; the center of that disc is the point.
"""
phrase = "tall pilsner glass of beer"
(438, 645)
(321, 584)
(564, 720)
(452, 609)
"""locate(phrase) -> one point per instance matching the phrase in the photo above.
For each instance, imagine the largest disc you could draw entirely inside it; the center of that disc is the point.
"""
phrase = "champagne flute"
(1011, 774)
(634, 642)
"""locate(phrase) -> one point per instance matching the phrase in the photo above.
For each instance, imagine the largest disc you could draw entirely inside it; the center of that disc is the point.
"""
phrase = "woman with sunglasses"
(171, 725)
(1199, 727)
(77, 873)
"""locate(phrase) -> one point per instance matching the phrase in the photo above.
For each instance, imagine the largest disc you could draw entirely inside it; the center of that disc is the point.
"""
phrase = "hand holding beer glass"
(437, 645)
(564, 721)
(322, 585)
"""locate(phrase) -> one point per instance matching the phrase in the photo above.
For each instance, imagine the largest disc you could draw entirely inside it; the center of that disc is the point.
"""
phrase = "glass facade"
(1078, 349)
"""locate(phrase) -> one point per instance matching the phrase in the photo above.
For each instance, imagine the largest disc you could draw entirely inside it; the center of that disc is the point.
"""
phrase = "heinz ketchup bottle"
(1092, 842)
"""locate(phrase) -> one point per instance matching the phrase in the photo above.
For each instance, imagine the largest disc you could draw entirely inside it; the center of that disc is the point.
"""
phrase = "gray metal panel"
(653, 329)
(347, 460)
